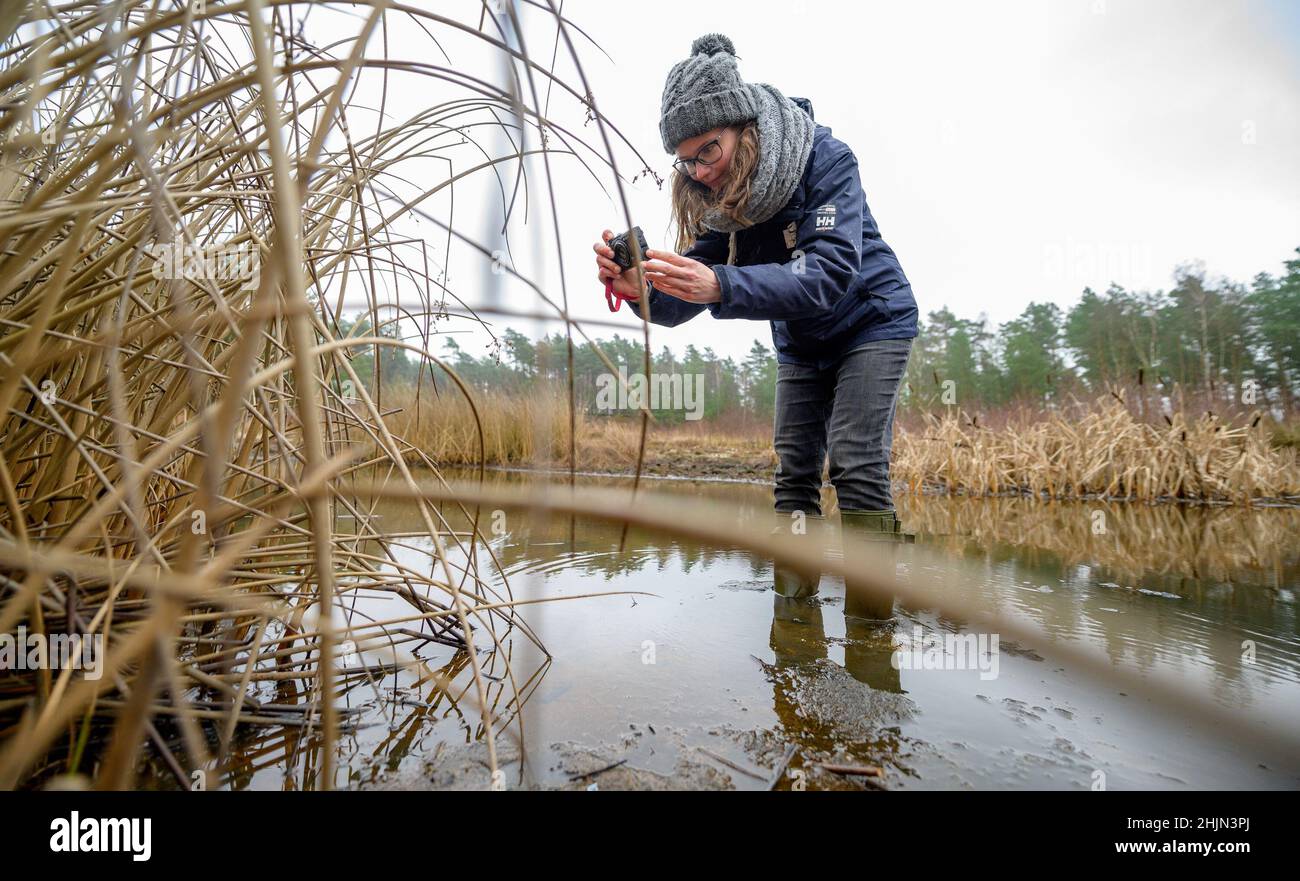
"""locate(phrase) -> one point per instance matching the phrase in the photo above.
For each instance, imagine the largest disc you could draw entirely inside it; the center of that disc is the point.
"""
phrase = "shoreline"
(931, 491)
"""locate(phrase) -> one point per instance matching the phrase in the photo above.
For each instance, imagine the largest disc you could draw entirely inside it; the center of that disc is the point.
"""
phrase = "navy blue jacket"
(818, 269)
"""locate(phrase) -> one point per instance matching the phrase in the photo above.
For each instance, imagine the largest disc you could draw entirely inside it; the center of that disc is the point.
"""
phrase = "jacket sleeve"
(710, 249)
(829, 235)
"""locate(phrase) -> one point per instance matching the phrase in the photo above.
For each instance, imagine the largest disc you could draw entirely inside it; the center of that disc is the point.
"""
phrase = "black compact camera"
(622, 247)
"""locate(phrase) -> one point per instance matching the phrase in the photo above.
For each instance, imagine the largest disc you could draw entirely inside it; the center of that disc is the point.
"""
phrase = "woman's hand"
(682, 277)
(624, 281)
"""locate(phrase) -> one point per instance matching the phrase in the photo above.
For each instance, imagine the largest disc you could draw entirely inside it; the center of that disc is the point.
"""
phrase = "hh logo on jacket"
(826, 216)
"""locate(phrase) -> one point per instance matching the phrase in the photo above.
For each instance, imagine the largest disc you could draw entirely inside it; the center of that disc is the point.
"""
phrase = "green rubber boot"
(792, 582)
(878, 526)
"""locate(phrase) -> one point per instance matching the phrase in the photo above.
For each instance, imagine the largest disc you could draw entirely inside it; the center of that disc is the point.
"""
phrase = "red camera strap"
(613, 298)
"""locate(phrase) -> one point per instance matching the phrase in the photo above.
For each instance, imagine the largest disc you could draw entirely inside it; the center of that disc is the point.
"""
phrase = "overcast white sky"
(1011, 150)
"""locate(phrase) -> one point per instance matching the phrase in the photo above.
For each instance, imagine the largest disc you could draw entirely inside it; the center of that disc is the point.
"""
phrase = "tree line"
(1214, 336)
(1229, 340)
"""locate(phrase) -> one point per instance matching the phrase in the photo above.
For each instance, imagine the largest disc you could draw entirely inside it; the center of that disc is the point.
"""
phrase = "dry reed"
(1097, 451)
(1102, 451)
(189, 198)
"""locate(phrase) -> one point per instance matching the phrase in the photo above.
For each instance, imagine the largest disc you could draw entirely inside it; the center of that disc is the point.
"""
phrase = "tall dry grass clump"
(507, 429)
(192, 194)
(1093, 450)
(1101, 450)
(495, 427)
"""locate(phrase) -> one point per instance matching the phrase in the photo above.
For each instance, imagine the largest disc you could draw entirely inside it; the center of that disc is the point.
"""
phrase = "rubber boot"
(877, 526)
(795, 582)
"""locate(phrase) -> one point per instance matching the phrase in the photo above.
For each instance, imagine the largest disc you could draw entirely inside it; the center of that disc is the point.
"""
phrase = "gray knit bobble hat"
(704, 92)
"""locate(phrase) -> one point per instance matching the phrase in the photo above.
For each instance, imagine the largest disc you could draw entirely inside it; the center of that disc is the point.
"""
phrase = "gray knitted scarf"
(785, 136)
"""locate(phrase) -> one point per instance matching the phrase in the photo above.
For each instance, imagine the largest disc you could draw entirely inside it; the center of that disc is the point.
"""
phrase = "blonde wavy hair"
(692, 200)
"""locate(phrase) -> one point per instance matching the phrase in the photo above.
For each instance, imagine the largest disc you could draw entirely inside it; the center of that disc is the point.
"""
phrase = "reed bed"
(1098, 450)
(511, 430)
(192, 194)
(497, 428)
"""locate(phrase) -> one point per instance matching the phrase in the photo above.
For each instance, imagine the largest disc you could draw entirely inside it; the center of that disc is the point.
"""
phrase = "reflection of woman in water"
(773, 226)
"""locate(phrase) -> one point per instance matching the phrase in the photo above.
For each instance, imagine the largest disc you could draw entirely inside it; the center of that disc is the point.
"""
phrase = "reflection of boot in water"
(869, 652)
(792, 581)
(798, 635)
(871, 526)
(798, 640)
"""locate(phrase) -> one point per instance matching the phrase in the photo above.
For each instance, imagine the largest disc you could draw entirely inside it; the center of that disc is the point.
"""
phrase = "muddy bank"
(736, 472)
(833, 741)
(691, 463)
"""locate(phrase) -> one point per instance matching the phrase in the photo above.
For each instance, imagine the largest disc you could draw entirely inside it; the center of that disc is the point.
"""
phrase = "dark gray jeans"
(849, 409)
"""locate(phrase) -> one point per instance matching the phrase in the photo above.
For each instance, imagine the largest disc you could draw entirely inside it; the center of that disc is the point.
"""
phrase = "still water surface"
(703, 677)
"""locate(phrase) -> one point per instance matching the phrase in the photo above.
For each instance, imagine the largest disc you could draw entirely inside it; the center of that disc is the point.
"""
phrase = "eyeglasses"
(706, 155)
